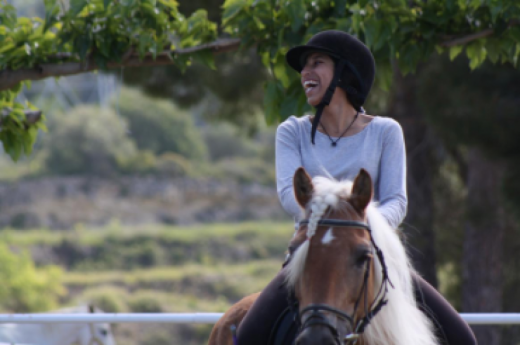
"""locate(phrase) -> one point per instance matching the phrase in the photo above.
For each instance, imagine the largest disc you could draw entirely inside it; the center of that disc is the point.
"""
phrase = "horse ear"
(362, 191)
(303, 187)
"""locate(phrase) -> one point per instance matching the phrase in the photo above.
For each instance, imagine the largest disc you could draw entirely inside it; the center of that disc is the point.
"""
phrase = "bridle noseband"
(316, 316)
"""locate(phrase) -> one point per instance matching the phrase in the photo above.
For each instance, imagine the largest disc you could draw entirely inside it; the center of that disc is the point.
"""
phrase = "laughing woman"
(337, 72)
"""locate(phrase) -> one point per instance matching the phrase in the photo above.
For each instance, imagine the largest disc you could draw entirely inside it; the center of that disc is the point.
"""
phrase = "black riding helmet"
(354, 67)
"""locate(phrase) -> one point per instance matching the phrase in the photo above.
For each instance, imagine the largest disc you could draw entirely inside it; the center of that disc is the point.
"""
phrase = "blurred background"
(154, 190)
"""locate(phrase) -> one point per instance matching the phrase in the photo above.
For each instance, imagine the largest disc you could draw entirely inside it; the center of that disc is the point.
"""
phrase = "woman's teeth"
(309, 85)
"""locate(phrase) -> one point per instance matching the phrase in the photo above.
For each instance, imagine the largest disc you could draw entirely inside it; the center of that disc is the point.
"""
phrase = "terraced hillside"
(159, 269)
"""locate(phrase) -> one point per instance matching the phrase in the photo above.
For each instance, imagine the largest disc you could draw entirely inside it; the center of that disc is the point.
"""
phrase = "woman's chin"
(313, 101)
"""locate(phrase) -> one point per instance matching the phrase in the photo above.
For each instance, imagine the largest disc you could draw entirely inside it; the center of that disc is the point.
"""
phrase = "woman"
(337, 72)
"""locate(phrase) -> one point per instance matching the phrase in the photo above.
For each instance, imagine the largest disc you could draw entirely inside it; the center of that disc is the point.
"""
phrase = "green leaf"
(288, 107)
(340, 8)
(272, 97)
(455, 51)
(259, 24)
(475, 4)
(83, 45)
(372, 31)
(296, 13)
(281, 70)
(106, 3)
(52, 9)
(76, 6)
(231, 9)
(514, 32)
(476, 54)
(206, 57)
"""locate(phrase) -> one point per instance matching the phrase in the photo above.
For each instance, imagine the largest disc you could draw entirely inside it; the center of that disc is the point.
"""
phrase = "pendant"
(333, 144)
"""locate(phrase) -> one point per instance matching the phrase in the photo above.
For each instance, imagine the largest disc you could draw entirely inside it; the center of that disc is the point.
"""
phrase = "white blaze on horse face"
(328, 237)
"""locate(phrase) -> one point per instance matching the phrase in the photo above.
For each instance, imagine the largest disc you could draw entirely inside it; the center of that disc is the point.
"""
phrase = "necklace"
(334, 143)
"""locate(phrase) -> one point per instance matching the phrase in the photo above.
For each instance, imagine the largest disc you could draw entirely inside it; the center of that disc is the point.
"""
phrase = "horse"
(349, 274)
(58, 334)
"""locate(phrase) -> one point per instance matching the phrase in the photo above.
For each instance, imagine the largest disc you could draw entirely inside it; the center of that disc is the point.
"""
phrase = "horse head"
(95, 333)
(333, 272)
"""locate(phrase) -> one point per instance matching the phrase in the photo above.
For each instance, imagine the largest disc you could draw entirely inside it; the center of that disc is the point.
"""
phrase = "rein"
(318, 318)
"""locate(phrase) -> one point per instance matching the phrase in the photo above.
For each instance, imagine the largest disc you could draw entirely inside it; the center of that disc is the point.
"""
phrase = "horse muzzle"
(316, 335)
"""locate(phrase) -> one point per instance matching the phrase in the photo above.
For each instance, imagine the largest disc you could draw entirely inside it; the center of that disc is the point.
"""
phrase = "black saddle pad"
(285, 329)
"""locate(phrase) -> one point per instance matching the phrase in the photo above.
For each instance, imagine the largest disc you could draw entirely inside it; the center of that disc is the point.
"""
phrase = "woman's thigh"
(450, 327)
(256, 326)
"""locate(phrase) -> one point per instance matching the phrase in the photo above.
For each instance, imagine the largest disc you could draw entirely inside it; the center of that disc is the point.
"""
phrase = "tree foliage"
(408, 32)
(478, 109)
(94, 33)
(232, 92)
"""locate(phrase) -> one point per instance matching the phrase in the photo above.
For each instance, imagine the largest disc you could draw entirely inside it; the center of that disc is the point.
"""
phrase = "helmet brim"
(295, 56)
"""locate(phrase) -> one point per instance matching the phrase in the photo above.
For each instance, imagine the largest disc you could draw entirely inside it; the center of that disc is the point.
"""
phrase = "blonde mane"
(400, 322)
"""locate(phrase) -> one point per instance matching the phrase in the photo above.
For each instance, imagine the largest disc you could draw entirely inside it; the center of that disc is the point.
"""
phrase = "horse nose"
(316, 336)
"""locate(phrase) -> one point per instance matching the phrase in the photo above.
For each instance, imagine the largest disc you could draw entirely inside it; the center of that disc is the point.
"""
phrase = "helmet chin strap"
(330, 92)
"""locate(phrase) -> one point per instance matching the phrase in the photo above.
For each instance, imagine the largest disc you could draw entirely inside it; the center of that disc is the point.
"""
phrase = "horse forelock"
(327, 194)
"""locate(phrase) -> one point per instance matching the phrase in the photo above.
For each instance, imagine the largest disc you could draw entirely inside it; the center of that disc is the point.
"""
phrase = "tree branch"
(31, 116)
(9, 78)
(468, 38)
(472, 37)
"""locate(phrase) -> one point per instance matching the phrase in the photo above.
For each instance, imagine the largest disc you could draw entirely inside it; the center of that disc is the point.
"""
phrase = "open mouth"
(309, 85)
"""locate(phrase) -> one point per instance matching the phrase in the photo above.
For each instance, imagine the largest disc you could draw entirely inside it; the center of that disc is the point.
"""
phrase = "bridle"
(357, 326)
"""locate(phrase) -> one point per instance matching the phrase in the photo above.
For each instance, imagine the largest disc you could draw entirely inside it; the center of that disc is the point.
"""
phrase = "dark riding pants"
(256, 327)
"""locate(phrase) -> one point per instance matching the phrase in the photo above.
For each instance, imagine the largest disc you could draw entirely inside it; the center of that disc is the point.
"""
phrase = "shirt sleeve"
(393, 201)
(288, 159)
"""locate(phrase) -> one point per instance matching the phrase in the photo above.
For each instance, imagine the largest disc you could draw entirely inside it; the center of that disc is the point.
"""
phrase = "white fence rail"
(201, 318)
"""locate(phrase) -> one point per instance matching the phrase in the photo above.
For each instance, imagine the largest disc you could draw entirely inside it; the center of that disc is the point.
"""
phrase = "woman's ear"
(303, 188)
(362, 191)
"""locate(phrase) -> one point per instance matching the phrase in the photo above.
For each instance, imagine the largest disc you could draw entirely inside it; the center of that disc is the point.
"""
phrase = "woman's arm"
(393, 201)
(288, 159)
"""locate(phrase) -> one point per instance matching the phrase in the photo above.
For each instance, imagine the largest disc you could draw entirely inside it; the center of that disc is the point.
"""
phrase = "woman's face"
(316, 76)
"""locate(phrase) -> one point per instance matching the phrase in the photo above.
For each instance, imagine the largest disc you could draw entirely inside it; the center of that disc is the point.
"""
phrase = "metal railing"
(202, 318)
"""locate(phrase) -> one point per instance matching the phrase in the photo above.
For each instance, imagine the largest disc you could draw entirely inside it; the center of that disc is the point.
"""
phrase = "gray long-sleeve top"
(378, 148)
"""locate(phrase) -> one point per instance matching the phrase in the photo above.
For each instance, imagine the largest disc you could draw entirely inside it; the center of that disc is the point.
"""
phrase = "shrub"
(174, 165)
(108, 299)
(159, 126)
(88, 140)
(225, 141)
(246, 170)
(25, 288)
(146, 302)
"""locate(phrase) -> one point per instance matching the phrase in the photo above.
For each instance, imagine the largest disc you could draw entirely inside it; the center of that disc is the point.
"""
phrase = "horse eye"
(362, 259)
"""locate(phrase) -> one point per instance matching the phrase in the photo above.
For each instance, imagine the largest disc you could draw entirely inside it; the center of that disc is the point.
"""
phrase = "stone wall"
(60, 203)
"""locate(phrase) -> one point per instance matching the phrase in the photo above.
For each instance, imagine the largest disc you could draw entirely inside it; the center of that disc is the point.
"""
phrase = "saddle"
(285, 328)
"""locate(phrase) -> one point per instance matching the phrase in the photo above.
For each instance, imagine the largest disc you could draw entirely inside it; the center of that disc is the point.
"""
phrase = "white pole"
(208, 318)
(492, 318)
(200, 318)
